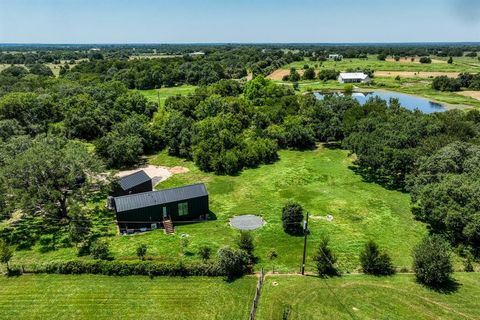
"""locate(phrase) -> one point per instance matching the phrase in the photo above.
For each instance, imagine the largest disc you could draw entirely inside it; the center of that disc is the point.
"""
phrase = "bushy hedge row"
(116, 268)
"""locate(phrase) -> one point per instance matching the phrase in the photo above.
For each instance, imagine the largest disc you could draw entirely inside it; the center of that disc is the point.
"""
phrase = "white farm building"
(335, 57)
(353, 77)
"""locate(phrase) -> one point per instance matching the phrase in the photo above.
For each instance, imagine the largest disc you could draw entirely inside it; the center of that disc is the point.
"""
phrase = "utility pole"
(305, 234)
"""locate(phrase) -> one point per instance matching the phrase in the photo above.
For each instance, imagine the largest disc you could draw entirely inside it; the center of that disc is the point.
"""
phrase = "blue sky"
(181, 21)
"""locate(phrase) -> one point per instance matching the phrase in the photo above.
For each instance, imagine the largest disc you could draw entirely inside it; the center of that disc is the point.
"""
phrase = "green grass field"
(320, 180)
(160, 95)
(366, 297)
(102, 297)
(463, 64)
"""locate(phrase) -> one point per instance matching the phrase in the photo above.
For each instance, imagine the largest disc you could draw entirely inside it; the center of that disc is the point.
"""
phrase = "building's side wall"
(145, 217)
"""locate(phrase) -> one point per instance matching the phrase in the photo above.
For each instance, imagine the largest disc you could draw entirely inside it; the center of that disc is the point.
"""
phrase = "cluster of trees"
(432, 263)
(309, 74)
(224, 132)
(166, 72)
(464, 80)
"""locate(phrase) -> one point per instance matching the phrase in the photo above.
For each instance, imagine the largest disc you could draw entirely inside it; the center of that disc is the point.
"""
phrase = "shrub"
(292, 217)
(245, 243)
(375, 262)
(348, 88)
(325, 259)
(431, 261)
(204, 253)
(100, 250)
(142, 251)
(6, 253)
(382, 57)
(309, 74)
(326, 75)
(468, 263)
(116, 268)
(47, 242)
(425, 60)
(232, 263)
(444, 83)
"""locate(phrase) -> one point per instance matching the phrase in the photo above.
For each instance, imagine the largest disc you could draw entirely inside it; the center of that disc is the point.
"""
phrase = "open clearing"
(321, 180)
(412, 74)
(366, 297)
(160, 95)
(157, 173)
(416, 60)
(103, 297)
(471, 94)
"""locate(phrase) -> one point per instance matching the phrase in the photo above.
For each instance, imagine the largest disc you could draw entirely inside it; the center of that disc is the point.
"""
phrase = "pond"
(406, 101)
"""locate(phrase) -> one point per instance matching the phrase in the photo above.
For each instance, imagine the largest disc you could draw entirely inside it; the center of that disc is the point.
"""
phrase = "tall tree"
(48, 176)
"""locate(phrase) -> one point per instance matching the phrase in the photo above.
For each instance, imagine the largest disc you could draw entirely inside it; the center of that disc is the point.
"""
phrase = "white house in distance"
(335, 57)
(353, 77)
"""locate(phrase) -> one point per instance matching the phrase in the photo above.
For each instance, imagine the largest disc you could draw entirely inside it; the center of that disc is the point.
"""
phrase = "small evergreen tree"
(100, 250)
(431, 261)
(245, 242)
(6, 253)
(142, 251)
(375, 262)
(204, 253)
(325, 259)
(292, 216)
(272, 256)
(184, 244)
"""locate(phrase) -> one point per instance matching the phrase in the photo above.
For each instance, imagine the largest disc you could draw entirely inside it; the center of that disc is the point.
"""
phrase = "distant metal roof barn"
(154, 198)
(353, 75)
(133, 180)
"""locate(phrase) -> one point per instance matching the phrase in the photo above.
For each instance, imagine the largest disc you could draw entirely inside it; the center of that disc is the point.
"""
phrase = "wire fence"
(258, 291)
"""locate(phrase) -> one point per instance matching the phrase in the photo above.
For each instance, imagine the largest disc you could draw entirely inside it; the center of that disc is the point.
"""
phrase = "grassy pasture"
(365, 297)
(160, 95)
(102, 297)
(320, 180)
(463, 64)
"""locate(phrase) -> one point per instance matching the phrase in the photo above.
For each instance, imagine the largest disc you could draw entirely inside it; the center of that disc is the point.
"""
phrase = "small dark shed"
(137, 182)
(148, 210)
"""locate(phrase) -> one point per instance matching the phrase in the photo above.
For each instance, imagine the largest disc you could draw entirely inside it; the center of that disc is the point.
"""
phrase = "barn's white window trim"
(183, 209)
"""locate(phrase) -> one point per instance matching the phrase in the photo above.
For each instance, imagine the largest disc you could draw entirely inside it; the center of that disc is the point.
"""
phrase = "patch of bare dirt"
(157, 173)
(416, 60)
(471, 94)
(278, 75)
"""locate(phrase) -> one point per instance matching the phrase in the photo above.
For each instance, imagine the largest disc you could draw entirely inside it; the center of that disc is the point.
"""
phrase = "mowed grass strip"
(103, 297)
(367, 297)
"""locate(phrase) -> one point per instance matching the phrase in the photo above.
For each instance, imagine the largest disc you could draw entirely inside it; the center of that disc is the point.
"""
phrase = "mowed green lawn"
(103, 297)
(321, 180)
(366, 297)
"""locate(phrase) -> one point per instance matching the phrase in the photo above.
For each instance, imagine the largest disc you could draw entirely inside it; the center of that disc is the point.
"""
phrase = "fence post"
(256, 298)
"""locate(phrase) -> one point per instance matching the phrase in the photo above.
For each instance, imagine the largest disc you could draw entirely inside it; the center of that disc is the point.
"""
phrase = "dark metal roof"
(133, 180)
(154, 198)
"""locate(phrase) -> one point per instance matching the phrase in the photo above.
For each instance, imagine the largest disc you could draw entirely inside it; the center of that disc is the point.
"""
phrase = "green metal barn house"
(151, 210)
